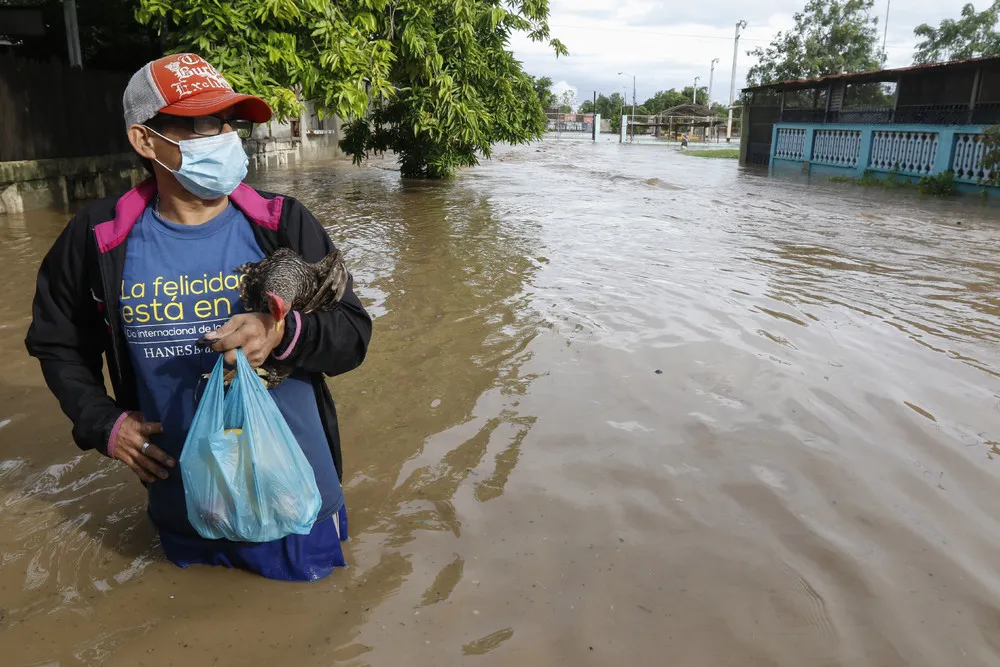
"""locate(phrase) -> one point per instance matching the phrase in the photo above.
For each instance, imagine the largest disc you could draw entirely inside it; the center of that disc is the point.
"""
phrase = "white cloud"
(667, 44)
(560, 87)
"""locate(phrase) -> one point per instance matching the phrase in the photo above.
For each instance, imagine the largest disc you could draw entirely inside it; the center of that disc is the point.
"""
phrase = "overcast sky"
(667, 44)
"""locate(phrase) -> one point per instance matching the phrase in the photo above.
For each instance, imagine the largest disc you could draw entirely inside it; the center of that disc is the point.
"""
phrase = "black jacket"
(76, 319)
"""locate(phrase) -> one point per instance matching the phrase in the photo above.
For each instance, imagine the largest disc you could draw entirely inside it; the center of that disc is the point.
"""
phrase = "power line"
(646, 32)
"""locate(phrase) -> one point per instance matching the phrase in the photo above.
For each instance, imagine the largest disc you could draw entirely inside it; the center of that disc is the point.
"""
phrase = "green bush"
(939, 185)
(991, 158)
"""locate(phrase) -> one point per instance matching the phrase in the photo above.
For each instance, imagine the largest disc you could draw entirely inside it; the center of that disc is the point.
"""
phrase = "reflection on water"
(621, 403)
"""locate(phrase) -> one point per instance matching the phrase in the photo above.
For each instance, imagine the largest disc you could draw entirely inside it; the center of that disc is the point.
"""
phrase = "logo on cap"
(188, 75)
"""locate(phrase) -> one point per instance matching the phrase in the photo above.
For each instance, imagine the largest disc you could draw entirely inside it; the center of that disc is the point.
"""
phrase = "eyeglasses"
(203, 126)
(210, 126)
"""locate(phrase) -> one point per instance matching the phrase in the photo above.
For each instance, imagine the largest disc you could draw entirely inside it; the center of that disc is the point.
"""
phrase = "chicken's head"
(278, 308)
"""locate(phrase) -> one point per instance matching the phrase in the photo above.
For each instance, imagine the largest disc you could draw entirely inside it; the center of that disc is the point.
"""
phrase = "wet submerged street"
(622, 406)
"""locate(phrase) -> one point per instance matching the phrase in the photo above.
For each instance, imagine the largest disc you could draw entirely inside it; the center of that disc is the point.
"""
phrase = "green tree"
(971, 36)
(668, 99)
(720, 110)
(609, 106)
(829, 37)
(702, 96)
(568, 100)
(543, 88)
(434, 81)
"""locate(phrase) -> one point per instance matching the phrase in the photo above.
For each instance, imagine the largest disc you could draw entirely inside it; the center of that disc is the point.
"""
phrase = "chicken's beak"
(278, 309)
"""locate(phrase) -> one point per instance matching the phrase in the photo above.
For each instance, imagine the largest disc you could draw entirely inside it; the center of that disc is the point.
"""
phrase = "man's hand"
(133, 434)
(255, 333)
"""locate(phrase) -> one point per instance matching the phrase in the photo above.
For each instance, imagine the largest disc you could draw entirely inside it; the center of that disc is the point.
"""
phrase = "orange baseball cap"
(185, 84)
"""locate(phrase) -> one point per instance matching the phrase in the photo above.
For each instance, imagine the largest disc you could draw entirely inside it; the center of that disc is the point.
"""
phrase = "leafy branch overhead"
(973, 35)
(433, 81)
(829, 37)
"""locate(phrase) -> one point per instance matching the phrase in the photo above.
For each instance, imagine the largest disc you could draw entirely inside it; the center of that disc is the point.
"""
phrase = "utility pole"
(72, 33)
(711, 80)
(694, 92)
(885, 36)
(732, 86)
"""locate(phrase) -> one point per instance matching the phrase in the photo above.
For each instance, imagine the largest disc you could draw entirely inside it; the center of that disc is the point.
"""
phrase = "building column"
(774, 147)
(945, 150)
(865, 150)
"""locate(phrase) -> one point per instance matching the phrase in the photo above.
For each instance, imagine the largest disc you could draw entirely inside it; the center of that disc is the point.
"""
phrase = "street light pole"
(694, 92)
(732, 86)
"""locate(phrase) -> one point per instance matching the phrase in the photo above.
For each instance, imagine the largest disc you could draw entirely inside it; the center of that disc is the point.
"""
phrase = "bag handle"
(214, 396)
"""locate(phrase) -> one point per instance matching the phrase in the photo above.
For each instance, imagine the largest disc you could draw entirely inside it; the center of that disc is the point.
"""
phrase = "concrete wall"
(269, 152)
(273, 144)
(33, 184)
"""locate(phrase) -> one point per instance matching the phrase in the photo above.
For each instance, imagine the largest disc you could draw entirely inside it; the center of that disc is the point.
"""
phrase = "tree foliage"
(568, 99)
(701, 97)
(543, 88)
(432, 81)
(668, 99)
(609, 106)
(971, 36)
(829, 37)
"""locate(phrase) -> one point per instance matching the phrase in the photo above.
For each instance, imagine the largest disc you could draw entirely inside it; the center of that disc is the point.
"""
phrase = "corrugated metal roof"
(687, 110)
(877, 75)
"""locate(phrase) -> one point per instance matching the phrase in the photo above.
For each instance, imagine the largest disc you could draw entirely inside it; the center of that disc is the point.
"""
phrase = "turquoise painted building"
(912, 122)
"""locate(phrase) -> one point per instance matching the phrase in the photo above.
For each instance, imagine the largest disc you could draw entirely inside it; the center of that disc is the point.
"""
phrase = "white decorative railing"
(909, 151)
(839, 148)
(790, 144)
(967, 162)
(904, 152)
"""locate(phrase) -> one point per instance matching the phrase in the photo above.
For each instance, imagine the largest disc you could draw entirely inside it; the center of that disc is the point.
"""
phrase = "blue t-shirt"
(179, 284)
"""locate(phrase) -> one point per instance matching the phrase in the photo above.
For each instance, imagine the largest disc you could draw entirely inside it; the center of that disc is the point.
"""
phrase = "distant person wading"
(139, 278)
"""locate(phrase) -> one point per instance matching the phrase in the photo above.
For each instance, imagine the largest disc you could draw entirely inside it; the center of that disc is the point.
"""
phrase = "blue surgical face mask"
(211, 167)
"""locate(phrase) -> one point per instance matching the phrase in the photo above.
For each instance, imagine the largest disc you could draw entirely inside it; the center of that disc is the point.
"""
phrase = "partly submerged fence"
(49, 110)
(913, 151)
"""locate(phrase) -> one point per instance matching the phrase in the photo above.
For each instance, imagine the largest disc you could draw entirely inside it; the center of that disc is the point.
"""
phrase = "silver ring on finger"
(145, 446)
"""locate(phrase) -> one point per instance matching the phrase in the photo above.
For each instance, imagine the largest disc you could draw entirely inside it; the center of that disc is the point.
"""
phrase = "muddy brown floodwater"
(622, 407)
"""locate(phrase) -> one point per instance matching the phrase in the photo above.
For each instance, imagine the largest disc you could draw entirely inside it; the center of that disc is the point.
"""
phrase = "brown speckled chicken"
(283, 282)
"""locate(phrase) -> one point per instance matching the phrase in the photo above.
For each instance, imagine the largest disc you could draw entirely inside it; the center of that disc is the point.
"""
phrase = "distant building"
(569, 122)
(912, 121)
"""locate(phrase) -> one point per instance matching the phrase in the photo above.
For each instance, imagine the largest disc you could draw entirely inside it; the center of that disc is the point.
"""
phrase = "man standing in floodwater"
(141, 277)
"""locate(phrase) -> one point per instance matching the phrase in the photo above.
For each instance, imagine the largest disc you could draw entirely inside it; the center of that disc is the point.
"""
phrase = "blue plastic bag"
(245, 477)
